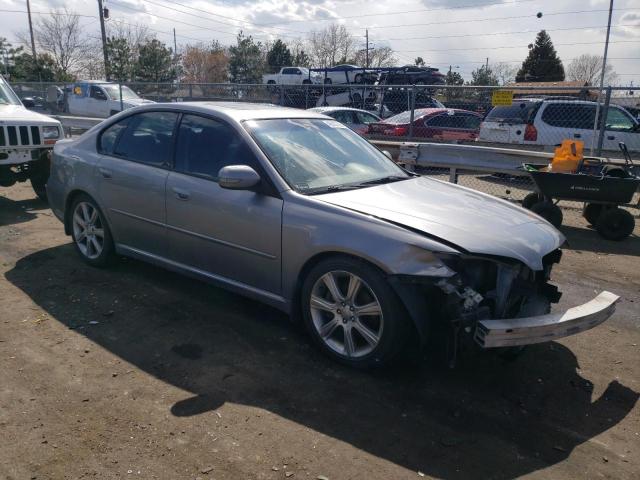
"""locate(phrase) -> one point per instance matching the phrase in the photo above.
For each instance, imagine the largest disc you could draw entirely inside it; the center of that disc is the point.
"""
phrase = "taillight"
(399, 131)
(530, 133)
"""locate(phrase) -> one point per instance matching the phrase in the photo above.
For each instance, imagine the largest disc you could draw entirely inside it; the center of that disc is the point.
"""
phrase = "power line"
(504, 33)
(460, 7)
(512, 46)
(222, 16)
(492, 19)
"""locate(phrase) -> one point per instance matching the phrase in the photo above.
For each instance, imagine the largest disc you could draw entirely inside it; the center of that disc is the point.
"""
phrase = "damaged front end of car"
(501, 302)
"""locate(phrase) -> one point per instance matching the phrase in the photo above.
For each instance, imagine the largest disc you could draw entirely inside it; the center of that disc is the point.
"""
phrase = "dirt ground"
(135, 372)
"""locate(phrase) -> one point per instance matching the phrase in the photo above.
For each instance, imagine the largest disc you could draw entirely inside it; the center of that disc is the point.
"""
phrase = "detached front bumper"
(512, 332)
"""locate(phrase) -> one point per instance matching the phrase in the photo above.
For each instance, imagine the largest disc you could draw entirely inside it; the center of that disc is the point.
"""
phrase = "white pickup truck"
(26, 141)
(292, 76)
(94, 98)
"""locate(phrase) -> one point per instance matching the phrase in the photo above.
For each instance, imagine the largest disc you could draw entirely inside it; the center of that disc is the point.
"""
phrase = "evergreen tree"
(245, 60)
(278, 56)
(120, 57)
(301, 59)
(453, 78)
(155, 63)
(26, 70)
(542, 64)
(419, 61)
(483, 76)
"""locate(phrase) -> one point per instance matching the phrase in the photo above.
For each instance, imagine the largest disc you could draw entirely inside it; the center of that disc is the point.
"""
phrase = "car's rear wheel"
(90, 232)
(352, 313)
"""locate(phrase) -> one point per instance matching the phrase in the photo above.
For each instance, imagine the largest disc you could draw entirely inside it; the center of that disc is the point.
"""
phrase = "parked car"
(292, 76)
(412, 75)
(93, 98)
(292, 209)
(398, 100)
(340, 74)
(357, 97)
(354, 118)
(26, 141)
(549, 121)
(431, 123)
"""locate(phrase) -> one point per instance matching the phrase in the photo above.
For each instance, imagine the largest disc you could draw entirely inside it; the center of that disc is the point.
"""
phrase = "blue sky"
(462, 33)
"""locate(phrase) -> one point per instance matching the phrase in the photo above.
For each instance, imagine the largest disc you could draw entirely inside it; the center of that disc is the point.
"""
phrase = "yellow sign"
(502, 97)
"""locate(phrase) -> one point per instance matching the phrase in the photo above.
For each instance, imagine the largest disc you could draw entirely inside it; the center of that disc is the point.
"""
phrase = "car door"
(233, 234)
(620, 127)
(76, 101)
(565, 121)
(97, 102)
(135, 155)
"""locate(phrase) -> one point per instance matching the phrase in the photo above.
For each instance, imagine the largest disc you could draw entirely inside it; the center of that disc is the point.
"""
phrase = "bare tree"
(378, 57)
(61, 36)
(331, 45)
(588, 68)
(504, 72)
(205, 63)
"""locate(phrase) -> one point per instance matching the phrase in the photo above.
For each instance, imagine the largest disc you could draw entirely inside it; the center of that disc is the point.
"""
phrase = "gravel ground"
(135, 372)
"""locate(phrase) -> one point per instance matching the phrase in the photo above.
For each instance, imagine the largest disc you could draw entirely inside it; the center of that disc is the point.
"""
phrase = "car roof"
(237, 111)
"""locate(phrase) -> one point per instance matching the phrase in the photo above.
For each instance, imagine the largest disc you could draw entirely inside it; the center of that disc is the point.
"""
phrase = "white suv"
(549, 121)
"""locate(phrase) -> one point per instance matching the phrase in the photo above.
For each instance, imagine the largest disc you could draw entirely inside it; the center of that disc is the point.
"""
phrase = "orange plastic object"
(567, 156)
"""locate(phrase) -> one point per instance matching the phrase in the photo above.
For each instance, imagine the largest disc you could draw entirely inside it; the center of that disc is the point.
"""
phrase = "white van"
(94, 98)
(548, 122)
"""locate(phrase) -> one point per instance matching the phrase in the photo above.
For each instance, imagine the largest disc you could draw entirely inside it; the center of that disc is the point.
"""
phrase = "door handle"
(105, 172)
(610, 137)
(181, 194)
(577, 135)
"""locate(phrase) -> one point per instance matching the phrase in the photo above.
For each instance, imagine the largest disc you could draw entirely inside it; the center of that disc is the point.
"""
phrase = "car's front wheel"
(352, 312)
(90, 232)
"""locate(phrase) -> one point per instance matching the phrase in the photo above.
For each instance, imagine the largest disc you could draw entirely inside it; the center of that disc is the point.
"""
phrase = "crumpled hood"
(19, 114)
(475, 222)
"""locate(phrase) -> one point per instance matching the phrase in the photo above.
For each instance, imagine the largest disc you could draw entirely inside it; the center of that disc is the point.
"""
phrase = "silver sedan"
(293, 209)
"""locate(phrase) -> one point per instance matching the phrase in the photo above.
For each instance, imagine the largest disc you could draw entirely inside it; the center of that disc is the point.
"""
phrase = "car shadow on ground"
(18, 211)
(487, 418)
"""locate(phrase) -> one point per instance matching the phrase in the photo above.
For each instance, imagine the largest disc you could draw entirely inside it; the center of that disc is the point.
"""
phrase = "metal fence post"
(282, 87)
(603, 121)
(412, 104)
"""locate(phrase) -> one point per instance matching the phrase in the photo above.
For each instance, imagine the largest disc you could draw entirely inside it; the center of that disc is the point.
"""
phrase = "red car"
(432, 123)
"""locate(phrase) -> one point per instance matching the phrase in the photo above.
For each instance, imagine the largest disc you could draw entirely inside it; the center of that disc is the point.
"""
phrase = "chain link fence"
(534, 118)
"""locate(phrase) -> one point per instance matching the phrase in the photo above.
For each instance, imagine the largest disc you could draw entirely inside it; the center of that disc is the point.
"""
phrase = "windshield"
(114, 92)
(7, 97)
(316, 156)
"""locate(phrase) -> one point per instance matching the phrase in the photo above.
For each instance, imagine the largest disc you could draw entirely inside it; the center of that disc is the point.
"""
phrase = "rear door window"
(343, 116)
(148, 138)
(567, 115)
(110, 136)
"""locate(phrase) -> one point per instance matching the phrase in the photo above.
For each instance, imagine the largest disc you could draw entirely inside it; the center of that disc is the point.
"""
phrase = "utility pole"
(604, 114)
(175, 45)
(367, 48)
(104, 41)
(486, 66)
(33, 43)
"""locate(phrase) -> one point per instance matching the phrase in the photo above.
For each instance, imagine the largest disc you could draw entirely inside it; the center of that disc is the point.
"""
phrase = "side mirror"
(387, 154)
(238, 177)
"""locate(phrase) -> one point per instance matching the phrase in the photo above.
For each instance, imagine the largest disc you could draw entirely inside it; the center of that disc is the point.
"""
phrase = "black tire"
(592, 212)
(306, 82)
(550, 212)
(615, 224)
(40, 188)
(530, 200)
(390, 327)
(107, 252)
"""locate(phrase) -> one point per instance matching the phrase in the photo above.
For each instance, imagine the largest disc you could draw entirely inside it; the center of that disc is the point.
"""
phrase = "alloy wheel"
(346, 314)
(88, 230)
